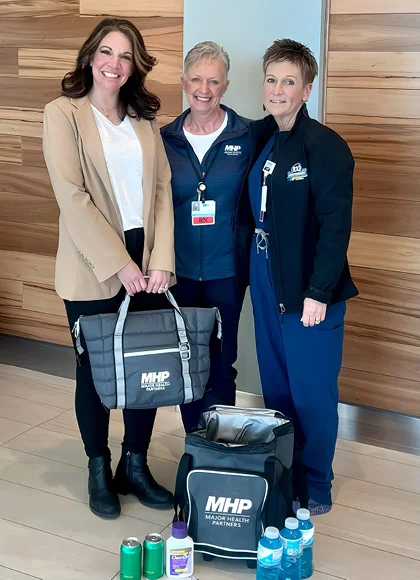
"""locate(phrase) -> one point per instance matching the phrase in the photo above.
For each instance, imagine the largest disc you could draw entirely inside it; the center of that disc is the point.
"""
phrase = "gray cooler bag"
(149, 359)
(235, 479)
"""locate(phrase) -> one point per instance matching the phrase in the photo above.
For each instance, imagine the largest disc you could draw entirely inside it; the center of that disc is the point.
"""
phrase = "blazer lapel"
(92, 141)
(146, 137)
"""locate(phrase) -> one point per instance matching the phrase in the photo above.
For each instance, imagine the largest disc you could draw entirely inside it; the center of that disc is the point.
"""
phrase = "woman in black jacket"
(301, 200)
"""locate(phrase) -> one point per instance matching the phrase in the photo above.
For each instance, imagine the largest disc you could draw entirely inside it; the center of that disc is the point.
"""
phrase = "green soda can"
(153, 562)
(130, 559)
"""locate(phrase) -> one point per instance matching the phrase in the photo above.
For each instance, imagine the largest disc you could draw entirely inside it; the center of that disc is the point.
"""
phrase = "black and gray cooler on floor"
(235, 479)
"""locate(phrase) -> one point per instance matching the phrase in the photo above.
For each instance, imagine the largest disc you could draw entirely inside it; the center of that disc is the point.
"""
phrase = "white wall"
(245, 28)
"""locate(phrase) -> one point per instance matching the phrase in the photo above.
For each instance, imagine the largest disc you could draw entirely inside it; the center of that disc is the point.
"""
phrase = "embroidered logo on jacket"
(233, 150)
(297, 173)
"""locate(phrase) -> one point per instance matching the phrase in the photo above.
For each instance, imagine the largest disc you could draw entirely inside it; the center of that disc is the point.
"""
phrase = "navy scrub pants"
(299, 369)
(225, 294)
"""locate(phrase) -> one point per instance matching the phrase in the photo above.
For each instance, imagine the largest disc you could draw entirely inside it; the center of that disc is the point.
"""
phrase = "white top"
(124, 160)
(202, 143)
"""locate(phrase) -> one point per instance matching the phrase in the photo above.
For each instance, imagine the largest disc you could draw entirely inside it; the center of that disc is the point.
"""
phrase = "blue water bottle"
(291, 562)
(269, 554)
(308, 533)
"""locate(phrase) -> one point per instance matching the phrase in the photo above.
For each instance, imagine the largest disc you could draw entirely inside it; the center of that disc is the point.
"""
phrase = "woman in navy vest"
(209, 148)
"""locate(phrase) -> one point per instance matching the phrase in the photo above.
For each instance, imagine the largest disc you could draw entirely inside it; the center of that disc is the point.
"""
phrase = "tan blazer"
(91, 247)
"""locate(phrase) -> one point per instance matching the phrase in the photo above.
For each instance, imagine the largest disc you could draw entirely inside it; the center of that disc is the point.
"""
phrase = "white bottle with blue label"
(269, 555)
(291, 562)
(308, 534)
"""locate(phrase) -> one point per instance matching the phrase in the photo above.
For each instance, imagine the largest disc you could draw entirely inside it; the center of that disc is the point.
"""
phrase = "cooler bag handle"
(185, 466)
(184, 350)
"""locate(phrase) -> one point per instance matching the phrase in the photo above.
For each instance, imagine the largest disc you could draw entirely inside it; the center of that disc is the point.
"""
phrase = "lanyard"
(201, 187)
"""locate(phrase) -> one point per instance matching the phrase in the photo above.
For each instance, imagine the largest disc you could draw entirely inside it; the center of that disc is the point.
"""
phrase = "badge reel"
(267, 170)
(203, 212)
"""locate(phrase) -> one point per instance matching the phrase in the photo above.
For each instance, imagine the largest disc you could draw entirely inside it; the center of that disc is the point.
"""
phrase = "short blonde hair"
(207, 50)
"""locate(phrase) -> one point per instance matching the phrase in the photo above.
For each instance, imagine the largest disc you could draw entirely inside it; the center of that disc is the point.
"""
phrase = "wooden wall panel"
(10, 149)
(11, 292)
(25, 179)
(69, 32)
(382, 324)
(27, 267)
(374, 6)
(133, 7)
(39, 299)
(374, 33)
(381, 143)
(29, 238)
(47, 63)
(38, 45)
(350, 119)
(371, 82)
(376, 64)
(382, 357)
(12, 9)
(388, 289)
(32, 152)
(387, 180)
(387, 216)
(28, 209)
(397, 253)
(373, 102)
(377, 390)
(8, 62)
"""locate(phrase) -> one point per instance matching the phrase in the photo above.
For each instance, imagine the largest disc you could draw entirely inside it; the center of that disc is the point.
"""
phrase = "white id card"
(203, 213)
(268, 169)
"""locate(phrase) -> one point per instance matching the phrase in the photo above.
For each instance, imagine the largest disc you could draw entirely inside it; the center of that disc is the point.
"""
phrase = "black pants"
(228, 298)
(92, 417)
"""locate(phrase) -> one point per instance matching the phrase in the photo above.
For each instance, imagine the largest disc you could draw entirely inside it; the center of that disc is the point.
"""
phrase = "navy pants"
(228, 298)
(299, 369)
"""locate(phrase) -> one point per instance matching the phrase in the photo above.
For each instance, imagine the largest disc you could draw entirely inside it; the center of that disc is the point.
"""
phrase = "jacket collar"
(235, 123)
(264, 128)
(92, 141)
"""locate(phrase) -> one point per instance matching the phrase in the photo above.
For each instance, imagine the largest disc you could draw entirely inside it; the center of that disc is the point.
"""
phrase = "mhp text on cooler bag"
(234, 479)
(151, 358)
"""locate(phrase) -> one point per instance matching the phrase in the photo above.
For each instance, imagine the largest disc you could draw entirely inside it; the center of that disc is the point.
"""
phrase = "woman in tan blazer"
(111, 178)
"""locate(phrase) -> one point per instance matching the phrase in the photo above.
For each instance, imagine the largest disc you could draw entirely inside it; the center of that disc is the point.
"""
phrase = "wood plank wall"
(373, 101)
(39, 40)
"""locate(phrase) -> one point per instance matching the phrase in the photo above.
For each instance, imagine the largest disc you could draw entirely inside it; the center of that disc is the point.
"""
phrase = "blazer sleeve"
(162, 256)
(96, 240)
(331, 173)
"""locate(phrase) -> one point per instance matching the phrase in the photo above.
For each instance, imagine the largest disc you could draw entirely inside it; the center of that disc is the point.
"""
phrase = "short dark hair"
(133, 93)
(286, 50)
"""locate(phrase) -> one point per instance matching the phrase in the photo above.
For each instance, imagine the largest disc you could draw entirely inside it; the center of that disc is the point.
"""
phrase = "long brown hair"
(133, 94)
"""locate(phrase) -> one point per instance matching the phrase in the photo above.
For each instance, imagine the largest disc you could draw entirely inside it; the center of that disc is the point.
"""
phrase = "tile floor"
(48, 533)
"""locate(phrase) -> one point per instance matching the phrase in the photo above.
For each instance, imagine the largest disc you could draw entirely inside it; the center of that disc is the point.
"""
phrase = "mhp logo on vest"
(233, 150)
(156, 381)
(225, 511)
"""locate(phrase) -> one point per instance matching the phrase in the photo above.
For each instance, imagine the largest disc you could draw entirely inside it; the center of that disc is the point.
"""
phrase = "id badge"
(203, 213)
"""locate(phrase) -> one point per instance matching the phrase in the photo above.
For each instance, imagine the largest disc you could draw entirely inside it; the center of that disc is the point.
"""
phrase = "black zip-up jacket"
(309, 218)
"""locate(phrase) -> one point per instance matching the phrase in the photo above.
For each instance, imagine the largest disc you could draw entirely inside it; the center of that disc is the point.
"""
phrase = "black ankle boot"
(103, 500)
(133, 476)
